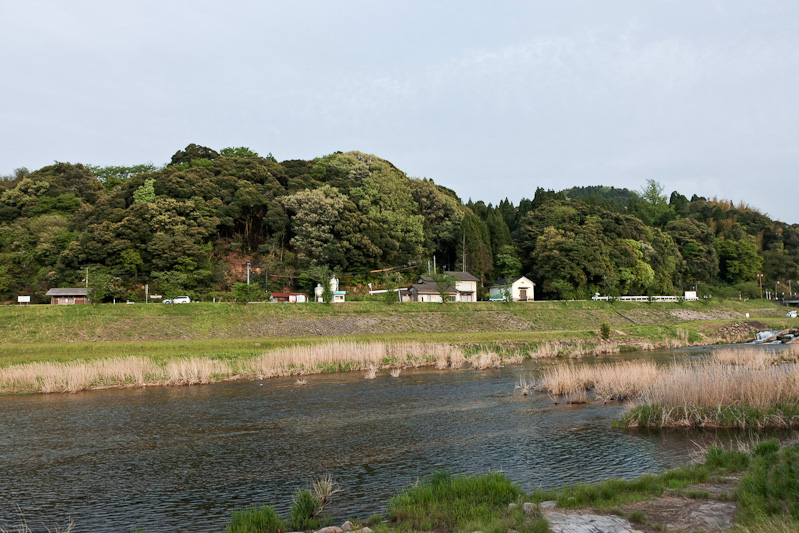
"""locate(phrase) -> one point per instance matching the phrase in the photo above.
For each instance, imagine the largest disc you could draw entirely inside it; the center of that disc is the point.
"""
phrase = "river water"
(181, 459)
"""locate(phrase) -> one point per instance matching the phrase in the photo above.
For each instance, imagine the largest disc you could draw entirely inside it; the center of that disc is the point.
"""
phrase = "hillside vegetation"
(190, 226)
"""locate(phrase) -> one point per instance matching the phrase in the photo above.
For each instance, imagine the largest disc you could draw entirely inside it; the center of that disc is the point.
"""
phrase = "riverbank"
(368, 357)
(203, 343)
(752, 490)
(49, 324)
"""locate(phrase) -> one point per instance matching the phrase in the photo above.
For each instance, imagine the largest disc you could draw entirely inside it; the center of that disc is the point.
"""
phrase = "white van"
(181, 300)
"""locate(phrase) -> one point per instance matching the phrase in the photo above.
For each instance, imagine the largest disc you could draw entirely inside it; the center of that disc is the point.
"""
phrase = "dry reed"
(484, 359)
(295, 360)
(617, 381)
(524, 386)
(719, 384)
(371, 373)
(76, 376)
(395, 372)
(756, 356)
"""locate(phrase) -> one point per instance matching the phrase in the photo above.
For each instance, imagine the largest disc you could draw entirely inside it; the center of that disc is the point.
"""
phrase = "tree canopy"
(190, 225)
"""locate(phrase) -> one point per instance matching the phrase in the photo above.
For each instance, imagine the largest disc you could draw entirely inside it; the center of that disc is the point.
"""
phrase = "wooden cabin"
(68, 296)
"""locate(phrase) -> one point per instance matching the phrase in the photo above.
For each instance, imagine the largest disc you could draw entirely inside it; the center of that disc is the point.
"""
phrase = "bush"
(244, 293)
(255, 520)
(604, 331)
(304, 510)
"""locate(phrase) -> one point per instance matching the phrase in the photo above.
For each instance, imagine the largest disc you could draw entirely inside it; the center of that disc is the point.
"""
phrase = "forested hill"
(191, 225)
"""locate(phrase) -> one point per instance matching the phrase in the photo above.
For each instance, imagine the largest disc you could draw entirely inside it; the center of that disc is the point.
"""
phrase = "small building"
(426, 289)
(338, 296)
(519, 290)
(69, 296)
(289, 297)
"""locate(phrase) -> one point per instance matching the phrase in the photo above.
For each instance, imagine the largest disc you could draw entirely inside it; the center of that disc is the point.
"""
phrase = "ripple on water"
(177, 458)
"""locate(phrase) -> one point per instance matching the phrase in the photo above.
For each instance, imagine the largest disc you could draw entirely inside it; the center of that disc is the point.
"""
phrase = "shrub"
(304, 510)
(256, 520)
(604, 331)
(244, 293)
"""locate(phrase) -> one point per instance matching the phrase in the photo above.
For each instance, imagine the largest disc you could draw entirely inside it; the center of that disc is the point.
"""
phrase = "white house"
(521, 290)
(338, 296)
(426, 290)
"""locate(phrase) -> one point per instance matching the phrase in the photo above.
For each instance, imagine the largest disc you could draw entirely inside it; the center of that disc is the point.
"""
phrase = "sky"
(491, 99)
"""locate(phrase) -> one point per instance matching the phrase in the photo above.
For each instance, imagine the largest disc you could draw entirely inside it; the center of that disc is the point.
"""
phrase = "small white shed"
(521, 289)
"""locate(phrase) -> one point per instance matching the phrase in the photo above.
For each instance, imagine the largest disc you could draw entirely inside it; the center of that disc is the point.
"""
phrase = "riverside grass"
(741, 388)
(767, 494)
(443, 502)
(294, 360)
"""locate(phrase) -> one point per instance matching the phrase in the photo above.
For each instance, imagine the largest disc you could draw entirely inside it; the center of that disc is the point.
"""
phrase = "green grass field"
(66, 333)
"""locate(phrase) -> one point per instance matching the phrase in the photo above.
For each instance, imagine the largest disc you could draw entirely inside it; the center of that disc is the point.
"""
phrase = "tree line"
(190, 225)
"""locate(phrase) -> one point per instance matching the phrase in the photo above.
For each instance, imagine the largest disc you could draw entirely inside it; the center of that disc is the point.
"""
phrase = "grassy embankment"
(198, 343)
(766, 494)
(741, 388)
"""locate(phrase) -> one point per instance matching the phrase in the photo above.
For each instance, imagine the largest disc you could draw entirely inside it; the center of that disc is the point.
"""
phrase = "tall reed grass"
(299, 360)
(613, 381)
(755, 356)
(717, 394)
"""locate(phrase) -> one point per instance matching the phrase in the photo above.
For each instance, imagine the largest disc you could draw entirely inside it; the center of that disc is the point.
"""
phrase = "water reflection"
(183, 458)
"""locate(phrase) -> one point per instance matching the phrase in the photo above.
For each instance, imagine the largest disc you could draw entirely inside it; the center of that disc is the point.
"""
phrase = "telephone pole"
(760, 276)
(464, 251)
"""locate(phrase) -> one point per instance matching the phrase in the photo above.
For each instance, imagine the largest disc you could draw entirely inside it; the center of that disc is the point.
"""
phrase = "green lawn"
(64, 333)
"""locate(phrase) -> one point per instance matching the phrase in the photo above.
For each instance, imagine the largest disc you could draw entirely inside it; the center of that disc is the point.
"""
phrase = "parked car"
(181, 300)
(792, 314)
(166, 301)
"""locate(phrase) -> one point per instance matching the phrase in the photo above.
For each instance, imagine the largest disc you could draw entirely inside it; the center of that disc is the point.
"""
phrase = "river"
(182, 458)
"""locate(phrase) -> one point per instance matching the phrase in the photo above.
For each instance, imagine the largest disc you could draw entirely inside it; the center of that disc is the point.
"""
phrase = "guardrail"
(646, 298)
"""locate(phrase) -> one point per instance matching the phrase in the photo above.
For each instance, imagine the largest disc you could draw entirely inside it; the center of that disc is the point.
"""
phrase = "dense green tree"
(314, 215)
(474, 250)
(193, 152)
(442, 214)
(145, 193)
(115, 176)
(696, 243)
(182, 228)
(238, 152)
(444, 283)
(739, 260)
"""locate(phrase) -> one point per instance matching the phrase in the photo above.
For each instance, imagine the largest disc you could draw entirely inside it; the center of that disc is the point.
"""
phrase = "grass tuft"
(256, 520)
(446, 502)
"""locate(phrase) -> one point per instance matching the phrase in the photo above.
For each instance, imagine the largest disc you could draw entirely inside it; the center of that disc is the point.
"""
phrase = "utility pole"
(146, 292)
(760, 277)
(464, 251)
(248, 272)
(87, 277)
(266, 280)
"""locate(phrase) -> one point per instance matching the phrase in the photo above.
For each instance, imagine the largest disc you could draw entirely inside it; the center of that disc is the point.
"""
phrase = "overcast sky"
(492, 99)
